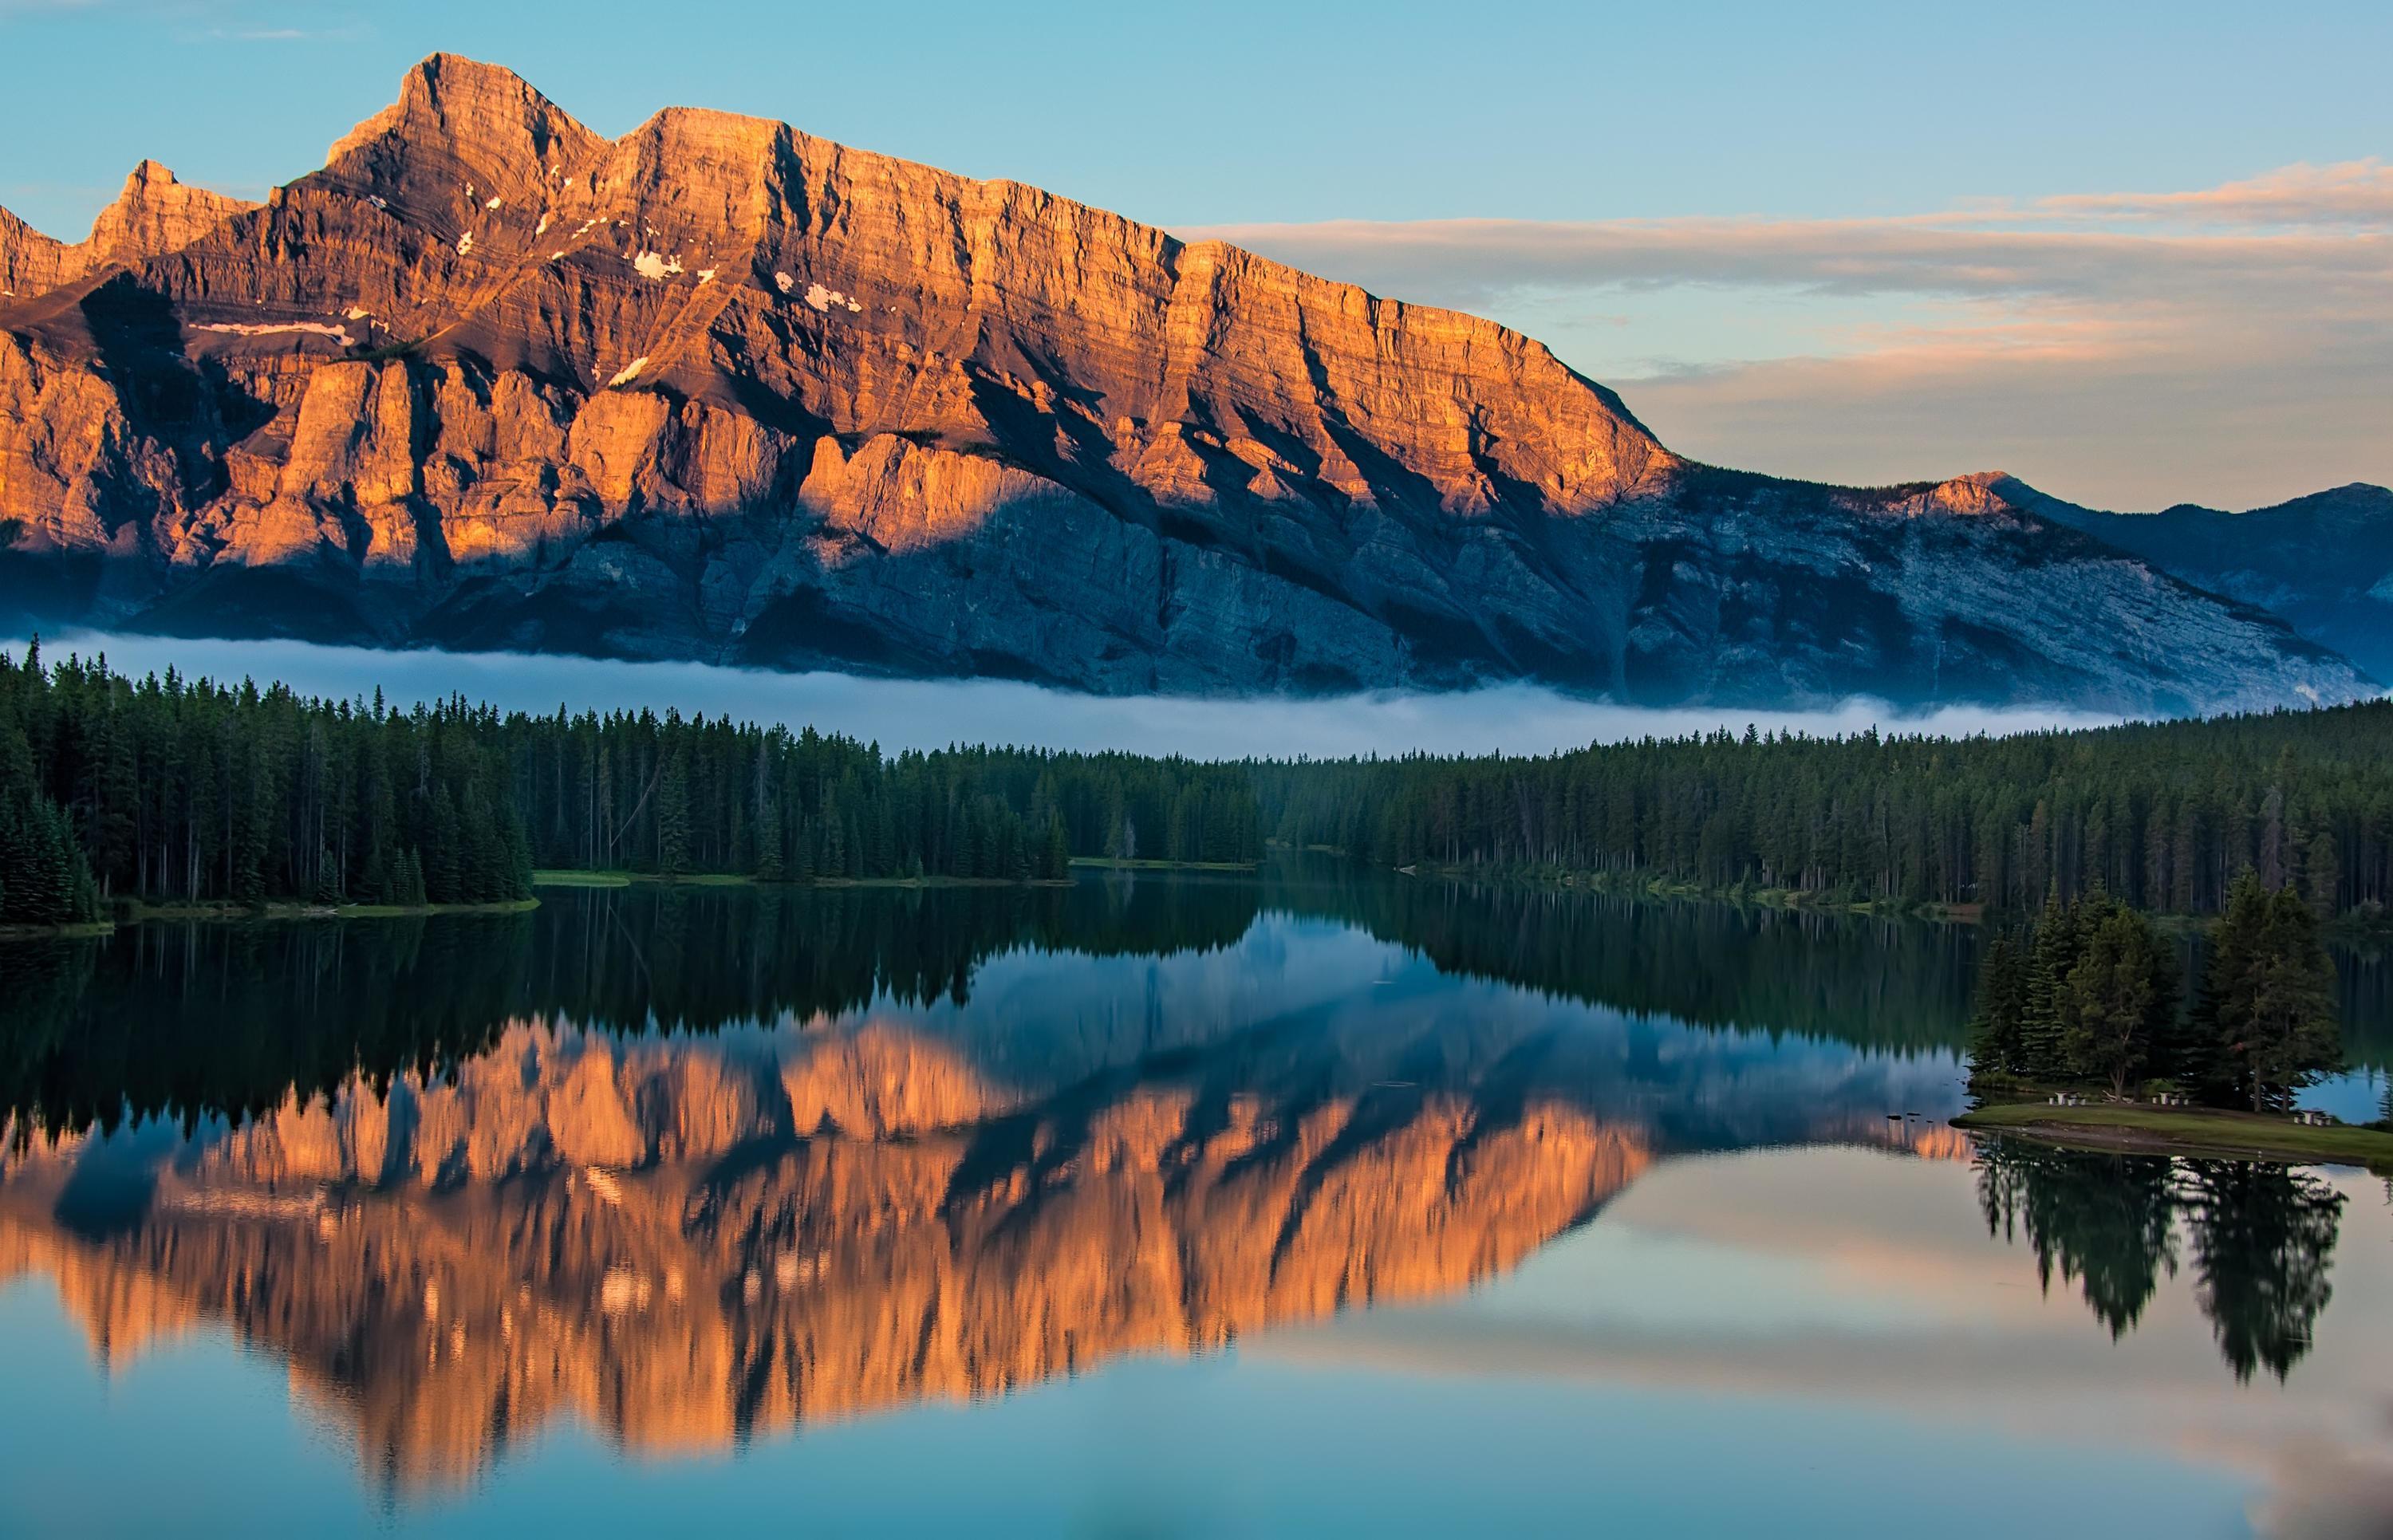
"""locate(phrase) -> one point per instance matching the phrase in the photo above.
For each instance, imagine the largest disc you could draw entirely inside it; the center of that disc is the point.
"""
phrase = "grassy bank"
(1113, 863)
(566, 878)
(128, 911)
(2184, 1130)
(41, 932)
(134, 911)
(1648, 884)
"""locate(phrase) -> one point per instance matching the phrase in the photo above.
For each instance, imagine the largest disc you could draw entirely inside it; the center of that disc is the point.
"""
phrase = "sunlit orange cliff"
(683, 1247)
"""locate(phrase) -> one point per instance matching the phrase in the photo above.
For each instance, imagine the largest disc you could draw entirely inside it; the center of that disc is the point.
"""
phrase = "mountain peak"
(456, 117)
(156, 214)
(153, 213)
(467, 96)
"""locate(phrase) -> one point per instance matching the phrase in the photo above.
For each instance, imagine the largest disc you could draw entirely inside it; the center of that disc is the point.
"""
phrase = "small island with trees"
(2083, 1034)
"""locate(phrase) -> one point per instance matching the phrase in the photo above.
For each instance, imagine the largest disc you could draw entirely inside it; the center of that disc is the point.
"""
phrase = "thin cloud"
(2348, 192)
(1492, 258)
(2228, 345)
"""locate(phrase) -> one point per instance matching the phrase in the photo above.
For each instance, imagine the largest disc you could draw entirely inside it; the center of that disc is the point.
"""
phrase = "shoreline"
(133, 912)
(1651, 885)
(125, 912)
(2186, 1131)
(567, 877)
(2350, 929)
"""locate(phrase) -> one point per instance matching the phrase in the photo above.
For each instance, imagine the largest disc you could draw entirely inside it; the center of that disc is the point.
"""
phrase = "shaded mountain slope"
(2323, 562)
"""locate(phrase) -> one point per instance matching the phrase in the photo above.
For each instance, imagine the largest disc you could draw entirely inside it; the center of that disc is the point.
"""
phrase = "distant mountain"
(2325, 563)
(719, 390)
(152, 215)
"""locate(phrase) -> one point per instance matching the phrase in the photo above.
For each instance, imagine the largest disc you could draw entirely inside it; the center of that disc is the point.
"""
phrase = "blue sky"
(2125, 353)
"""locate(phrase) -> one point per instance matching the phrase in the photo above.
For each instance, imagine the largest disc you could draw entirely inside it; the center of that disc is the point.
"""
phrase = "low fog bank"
(933, 713)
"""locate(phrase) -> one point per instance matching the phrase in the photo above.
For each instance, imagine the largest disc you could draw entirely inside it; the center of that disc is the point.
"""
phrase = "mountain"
(2323, 562)
(718, 390)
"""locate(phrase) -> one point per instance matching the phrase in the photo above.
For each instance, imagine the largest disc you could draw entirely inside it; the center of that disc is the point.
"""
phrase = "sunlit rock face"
(634, 1232)
(152, 215)
(720, 390)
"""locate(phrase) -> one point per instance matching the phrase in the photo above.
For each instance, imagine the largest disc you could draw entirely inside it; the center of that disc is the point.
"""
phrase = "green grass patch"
(933, 882)
(46, 932)
(2209, 1130)
(567, 879)
(1115, 863)
(133, 912)
(394, 911)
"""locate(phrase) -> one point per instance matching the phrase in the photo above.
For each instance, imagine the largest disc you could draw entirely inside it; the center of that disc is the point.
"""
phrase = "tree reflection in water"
(2259, 1238)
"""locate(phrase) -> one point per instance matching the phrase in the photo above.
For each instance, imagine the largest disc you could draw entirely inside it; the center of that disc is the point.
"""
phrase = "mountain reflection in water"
(695, 1165)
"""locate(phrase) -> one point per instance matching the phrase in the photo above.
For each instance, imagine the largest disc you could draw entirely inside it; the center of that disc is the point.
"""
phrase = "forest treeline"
(2164, 816)
(170, 788)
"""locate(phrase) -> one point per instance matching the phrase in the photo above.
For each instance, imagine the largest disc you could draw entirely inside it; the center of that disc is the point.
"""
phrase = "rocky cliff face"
(719, 390)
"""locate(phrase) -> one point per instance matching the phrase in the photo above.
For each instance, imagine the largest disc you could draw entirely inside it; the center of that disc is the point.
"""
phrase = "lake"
(1157, 1205)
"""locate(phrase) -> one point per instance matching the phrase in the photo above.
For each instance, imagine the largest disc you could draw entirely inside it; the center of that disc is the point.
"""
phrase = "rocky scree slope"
(717, 390)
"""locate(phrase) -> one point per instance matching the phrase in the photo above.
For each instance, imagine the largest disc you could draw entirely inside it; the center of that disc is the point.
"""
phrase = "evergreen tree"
(768, 839)
(2118, 1002)
(2051, 953)
(46, 881)
(1994, 1032)
(2267, 1019)
(439, 856)
(672, 816)
(1058, 863)
(833, 862)
(2323, 874)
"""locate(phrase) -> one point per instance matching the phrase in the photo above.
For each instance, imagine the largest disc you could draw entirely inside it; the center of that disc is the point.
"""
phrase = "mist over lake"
(905, 713)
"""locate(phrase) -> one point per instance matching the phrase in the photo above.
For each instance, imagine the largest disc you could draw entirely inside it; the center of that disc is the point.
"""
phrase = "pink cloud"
(2230, 346)
(2347, 192)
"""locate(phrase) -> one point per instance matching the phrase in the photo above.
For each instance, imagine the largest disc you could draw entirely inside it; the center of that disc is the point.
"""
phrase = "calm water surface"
(1151, 1207)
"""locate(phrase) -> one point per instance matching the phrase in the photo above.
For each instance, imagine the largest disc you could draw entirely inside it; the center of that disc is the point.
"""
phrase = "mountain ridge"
(2323, 562)
(720, 390)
